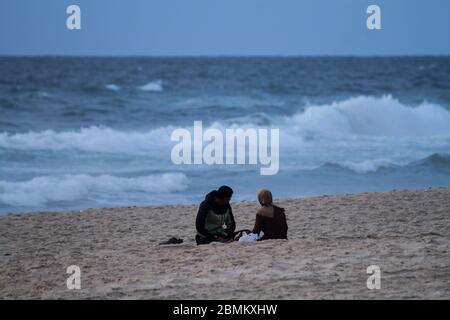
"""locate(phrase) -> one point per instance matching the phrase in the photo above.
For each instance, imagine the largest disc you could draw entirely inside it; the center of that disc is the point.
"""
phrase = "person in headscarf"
(270, 219)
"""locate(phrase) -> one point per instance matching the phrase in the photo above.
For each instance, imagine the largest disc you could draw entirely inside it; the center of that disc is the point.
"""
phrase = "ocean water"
(95, 132)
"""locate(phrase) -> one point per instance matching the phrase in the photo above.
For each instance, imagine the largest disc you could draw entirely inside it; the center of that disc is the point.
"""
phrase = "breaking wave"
(357, 117)
(45, 189)
(370, 116)
(436, 162)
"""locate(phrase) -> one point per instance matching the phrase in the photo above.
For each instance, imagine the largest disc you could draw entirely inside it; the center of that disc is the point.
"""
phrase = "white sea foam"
(92, 139)
(155, 86)
(362, 134)
(112, 87)
(369, 116)
(362, 123)
(366, 166)
(43, 94)
(42, 190)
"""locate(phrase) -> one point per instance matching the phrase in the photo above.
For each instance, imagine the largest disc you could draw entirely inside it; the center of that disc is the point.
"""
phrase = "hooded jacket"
(214, 220)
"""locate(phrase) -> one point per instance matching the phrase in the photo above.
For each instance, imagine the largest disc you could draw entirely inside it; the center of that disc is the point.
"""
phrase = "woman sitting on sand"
(270, 219)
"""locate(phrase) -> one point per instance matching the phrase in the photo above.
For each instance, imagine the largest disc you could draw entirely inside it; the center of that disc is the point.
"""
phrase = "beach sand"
(332, 241)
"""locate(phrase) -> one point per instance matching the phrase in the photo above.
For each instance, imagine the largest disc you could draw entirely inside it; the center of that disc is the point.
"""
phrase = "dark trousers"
(203, 240)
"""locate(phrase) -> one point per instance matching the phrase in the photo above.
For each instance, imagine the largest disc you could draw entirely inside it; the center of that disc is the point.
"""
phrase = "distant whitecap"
(112, 87)
(154, 86)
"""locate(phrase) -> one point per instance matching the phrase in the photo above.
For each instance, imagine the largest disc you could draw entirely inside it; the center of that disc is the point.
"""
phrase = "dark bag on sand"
(172, 240)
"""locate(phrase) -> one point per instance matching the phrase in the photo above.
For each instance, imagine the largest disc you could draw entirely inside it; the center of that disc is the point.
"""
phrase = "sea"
(82, 132)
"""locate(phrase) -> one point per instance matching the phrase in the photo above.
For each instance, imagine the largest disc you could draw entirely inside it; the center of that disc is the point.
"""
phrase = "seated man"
(215, 221)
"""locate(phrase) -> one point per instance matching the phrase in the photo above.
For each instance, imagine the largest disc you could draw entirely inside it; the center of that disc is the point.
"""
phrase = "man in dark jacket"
(215, 221)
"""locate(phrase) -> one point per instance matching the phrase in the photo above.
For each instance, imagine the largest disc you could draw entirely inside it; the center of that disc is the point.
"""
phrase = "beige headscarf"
(265, 199)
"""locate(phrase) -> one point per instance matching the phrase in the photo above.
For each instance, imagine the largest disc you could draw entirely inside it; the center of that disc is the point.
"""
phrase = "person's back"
(273, 226)
(270, 219)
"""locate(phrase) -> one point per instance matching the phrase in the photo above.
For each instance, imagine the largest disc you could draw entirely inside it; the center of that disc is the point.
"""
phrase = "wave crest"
(92, 139)
(42, 190)
(370, 116)
(366, 166)
(437, 162)
(385, 122)
(112, 87)
(155, 86)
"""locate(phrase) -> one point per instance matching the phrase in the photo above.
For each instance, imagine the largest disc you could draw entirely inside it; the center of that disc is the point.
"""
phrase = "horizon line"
(223, 56)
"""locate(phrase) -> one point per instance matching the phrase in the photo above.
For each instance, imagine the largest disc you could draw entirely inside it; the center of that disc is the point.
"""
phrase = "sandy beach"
(332, 240)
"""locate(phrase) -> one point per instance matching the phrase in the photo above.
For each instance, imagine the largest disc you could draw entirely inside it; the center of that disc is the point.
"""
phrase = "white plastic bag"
(250, 237)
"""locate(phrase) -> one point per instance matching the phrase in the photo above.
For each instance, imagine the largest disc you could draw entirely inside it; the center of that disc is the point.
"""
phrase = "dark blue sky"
(224, 27)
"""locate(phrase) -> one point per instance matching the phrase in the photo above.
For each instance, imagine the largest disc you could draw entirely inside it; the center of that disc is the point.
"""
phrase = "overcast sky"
(224, 27)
